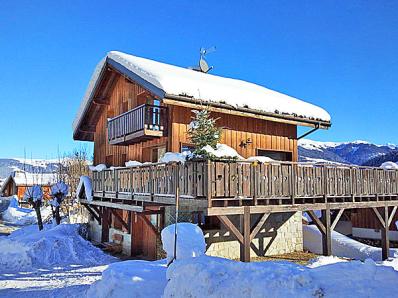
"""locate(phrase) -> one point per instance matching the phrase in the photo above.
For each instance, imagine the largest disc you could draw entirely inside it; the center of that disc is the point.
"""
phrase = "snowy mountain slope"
(8, 165)
(378, 160)
(356, 152)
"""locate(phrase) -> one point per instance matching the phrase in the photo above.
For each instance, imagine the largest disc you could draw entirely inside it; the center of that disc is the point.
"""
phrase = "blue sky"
(341, 55)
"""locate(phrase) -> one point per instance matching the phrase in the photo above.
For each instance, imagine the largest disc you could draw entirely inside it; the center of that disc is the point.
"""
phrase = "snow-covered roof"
(22, 178)
(164, 80)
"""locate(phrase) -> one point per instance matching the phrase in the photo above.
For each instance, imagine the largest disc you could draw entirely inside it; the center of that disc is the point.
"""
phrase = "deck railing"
(236, 183)
(139, 119)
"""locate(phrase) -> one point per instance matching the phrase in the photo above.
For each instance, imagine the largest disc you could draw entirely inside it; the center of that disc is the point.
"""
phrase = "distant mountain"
(356, 152)
(8, 165)
(378, 160)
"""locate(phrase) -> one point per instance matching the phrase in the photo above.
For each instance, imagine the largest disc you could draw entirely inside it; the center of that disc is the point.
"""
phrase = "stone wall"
(282, 233)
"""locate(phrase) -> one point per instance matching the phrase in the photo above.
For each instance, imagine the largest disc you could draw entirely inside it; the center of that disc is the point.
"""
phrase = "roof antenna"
(203, 66)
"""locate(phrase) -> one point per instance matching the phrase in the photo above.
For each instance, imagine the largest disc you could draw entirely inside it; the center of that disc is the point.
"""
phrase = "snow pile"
(342, 246)
(132, 163)
(222, 151)
(97, 168)
(131, 279)
(389, 165)
(190, 241)
(260, 159)
(22, 216)
(85, 189)
(322, 261)
(216, 277)
(6, 201)
(33, 193)
(29, 248)
(173, 157)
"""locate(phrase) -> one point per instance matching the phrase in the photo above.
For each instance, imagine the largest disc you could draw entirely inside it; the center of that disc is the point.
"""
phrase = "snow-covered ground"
(55, 262)
(22, 216)
(342, 246)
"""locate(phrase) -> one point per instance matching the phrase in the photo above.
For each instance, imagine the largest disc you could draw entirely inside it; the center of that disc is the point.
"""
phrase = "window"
(187, 148)
(275, 155)
(157, 153)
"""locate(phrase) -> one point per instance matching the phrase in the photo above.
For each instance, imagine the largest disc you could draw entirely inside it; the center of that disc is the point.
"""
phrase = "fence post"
(209, 183)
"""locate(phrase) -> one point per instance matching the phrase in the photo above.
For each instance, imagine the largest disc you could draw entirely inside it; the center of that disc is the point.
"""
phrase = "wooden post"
(209, 184)
(385, 240)
(245, 230)
(105, 225)
(327, 236)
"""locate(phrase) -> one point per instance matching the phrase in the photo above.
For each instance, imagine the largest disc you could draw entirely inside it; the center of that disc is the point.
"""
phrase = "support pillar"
(327, 236)
(245, 230)
(385, 240)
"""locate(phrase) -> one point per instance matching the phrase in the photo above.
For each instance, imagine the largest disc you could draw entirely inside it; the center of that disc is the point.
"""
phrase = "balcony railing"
(141, 123)
(225, 184)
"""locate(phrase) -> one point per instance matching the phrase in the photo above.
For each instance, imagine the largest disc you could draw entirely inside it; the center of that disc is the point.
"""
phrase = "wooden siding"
(264, 134)
(126, 95)
(123, 97)
(365, 218)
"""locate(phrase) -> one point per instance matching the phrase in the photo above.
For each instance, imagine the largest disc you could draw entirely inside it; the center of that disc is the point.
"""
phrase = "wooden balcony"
(139, 124)
(227, 186)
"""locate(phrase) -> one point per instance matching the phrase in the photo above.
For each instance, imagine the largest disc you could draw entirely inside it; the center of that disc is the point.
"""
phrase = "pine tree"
(203, 131)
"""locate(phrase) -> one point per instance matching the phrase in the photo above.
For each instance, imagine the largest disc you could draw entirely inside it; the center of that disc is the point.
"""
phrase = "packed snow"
(389, 165)
(342, 246)
(169, 157)
(23, 216)
(29, 248)
(132, 163)
(97, 168)
(85, 185)
(131, 279)
(164, 79)
(222, 151)
(260, 159)
(190, 241)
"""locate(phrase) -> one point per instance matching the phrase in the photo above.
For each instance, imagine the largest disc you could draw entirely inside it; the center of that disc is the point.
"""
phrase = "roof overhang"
(94, 101)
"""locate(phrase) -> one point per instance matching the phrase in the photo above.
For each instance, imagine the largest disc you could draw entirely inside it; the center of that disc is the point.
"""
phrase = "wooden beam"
(245, 246)
(231, 227)
(148, 222)
(385, 241)
(327, 236)
(298, 207)
(113, 205)
(394, 210)
(258, 226)
(105, 225)
(92, 212)
(117, 216)
(316, 221)
(337, 218)
(379, 217)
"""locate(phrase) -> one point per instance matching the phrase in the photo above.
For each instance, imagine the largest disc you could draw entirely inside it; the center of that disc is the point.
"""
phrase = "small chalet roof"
(22, 178)
(165, 80)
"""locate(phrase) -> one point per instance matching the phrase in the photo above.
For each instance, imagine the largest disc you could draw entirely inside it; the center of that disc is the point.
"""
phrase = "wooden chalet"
(138, 109)
(19, 181)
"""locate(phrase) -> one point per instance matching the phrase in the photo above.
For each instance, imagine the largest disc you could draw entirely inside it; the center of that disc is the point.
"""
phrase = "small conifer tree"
(203, 131)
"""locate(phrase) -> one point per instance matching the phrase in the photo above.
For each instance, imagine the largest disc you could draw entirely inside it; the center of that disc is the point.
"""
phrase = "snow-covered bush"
(59, 191)
(33, 194)
(389, 165)
(190, 241)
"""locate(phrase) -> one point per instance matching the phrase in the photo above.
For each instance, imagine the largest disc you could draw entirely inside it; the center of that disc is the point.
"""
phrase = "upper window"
(275, 155)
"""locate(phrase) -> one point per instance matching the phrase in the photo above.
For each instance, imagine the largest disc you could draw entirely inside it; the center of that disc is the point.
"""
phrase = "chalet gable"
(181, 86)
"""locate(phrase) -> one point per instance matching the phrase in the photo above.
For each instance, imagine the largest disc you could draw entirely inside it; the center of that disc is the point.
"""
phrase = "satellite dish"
(203, 66)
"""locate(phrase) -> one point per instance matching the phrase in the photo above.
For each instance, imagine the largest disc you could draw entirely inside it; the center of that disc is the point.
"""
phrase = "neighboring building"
(19, 181)
(138, 109)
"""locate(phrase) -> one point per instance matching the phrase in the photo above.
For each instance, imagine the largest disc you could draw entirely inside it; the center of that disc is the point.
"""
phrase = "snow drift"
(342, 246)
(190, 241)
(131, 279)
(23, 216)
(216, 277)
(29, 248)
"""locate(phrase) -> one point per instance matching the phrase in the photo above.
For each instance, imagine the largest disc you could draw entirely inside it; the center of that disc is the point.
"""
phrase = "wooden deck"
(226, 188)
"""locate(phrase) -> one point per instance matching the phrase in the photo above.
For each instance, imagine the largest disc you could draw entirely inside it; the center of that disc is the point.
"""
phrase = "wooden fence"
(231, 183)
